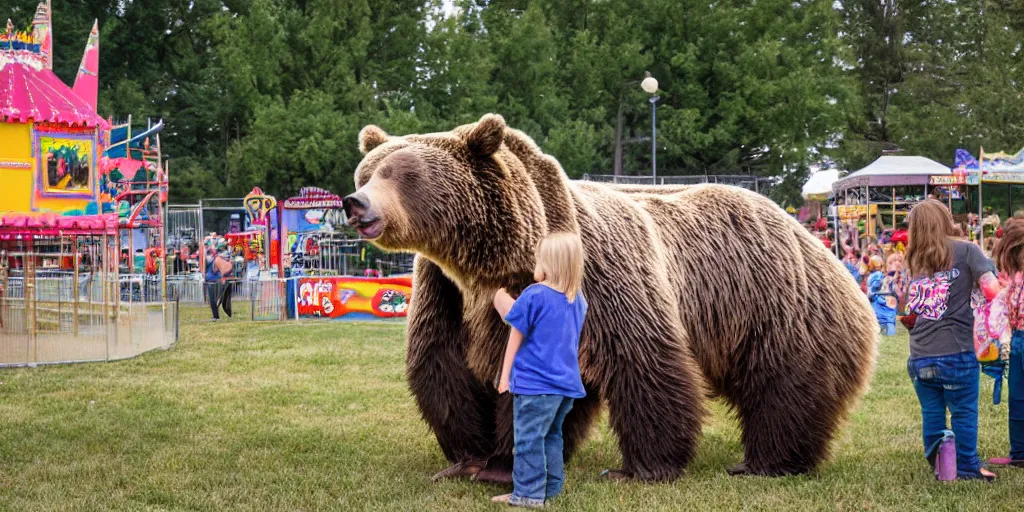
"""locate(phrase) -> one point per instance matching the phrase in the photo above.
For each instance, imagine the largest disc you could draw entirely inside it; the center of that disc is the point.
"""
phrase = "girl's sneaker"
(1006, 461)
(516, 501)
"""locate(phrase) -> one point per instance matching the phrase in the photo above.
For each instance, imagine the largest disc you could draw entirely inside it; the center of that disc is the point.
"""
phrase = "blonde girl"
(541, 367)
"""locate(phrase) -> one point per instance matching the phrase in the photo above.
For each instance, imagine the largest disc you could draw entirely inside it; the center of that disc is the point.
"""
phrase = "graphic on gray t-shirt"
(945, 321)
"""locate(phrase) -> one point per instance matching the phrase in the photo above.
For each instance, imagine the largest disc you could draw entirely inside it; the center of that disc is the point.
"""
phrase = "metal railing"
(61, 321)
(756, 183)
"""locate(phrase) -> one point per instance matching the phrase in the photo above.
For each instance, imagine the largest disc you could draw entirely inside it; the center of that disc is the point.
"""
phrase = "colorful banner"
(1003, 177)
(996, 167)
(853, 211)
(957, 178)
(303, 221)
(353, 298)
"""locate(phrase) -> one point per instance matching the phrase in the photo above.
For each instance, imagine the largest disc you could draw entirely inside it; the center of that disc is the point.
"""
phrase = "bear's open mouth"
(370, 228)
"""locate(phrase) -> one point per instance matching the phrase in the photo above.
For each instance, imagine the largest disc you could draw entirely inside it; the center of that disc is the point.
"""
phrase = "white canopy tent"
(819, 185)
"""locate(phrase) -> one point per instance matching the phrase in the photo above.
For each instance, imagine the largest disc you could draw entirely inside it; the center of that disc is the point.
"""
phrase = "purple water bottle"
(945, 462)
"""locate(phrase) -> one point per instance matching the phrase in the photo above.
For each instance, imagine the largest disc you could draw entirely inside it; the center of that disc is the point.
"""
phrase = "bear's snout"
(356, 206)
(360, 216)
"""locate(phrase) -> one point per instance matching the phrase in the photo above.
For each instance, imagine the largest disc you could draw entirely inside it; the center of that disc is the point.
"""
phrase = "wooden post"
(868, 224)
(30, 295)
(74, 254)
(104, 263)
(4, 287)
(981, 176)
(894, 208)
(105, 284)
(116, 285)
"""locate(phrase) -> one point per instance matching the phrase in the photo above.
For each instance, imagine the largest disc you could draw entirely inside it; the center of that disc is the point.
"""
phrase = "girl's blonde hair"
(928, 247)
(560, 263)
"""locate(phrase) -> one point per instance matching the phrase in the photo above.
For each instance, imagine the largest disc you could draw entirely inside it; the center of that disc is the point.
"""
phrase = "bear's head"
(476, 199)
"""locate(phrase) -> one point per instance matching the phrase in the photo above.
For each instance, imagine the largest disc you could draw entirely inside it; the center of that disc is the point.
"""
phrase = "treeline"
(274, 92)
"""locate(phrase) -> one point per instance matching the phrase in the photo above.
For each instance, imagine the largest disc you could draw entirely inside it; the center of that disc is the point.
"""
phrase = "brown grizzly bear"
(693, 291)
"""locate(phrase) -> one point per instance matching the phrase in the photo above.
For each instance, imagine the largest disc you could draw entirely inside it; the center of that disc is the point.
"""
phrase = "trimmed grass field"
(314, 416)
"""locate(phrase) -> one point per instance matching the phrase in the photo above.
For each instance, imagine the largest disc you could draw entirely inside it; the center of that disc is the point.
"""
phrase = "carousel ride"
(81, 214)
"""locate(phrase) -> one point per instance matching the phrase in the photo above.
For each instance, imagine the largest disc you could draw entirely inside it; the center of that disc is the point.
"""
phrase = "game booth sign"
(353, 298)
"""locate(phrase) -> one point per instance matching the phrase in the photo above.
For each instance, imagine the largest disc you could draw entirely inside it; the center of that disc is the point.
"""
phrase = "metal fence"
(267, 300)
(758, 184)
(61, 321)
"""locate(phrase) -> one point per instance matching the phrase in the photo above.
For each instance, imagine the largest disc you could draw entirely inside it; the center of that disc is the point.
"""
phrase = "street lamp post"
(650, 86)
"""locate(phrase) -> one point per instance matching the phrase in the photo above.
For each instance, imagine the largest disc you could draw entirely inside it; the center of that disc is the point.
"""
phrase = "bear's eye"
(386, 172)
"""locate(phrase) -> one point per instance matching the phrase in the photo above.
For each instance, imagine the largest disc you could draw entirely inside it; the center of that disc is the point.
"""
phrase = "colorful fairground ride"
(81, 214)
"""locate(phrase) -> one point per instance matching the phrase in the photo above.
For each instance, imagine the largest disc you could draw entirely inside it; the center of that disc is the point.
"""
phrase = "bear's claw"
(616, 475)
(465, 468)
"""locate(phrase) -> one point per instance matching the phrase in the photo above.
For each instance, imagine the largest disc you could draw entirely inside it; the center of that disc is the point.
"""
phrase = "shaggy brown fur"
(692, 290)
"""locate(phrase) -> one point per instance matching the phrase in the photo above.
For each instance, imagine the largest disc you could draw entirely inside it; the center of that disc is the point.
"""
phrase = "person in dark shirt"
(943, 273)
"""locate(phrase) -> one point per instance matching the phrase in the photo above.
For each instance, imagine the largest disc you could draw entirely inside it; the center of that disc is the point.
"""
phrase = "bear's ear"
(370, 137)
(486, 137)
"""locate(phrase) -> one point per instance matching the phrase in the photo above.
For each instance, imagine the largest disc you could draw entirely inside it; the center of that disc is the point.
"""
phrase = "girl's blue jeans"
(538, 472)
(1016, 386)
(950, 382)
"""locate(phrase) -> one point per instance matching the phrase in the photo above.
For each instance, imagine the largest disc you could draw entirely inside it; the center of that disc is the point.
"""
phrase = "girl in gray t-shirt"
(943, 272)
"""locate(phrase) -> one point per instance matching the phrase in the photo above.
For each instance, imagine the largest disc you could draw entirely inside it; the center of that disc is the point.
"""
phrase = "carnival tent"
(893, 171)
(819, 185)
(29, 94)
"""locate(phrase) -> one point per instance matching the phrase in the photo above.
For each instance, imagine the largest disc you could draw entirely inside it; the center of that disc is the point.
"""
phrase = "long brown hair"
(1009, 251)
(928, 239)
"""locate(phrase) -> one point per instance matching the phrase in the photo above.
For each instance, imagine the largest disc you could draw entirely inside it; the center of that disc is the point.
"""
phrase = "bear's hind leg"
(787, 424)
(655, 404)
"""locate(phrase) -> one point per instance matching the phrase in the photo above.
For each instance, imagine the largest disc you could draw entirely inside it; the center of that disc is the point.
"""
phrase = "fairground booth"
(981, 191)
(71, 214)
(880, 196)
(318, 243)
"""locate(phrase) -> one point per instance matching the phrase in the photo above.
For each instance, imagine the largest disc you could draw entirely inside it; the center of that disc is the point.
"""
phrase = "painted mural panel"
(67, 164)
(354, 298)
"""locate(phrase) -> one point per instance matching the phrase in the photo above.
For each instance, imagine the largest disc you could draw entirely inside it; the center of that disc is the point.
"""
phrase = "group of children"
(877, 268)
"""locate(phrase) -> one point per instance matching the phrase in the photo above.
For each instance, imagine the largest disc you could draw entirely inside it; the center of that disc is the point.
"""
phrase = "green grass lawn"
(312, 416)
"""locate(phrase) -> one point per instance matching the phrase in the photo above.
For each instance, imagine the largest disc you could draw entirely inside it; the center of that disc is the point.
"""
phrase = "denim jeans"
(950, 382)
(1016, 386)
(538, 471)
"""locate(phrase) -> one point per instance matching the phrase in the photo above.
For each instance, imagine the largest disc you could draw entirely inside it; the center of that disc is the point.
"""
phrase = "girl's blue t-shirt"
(548, 359)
